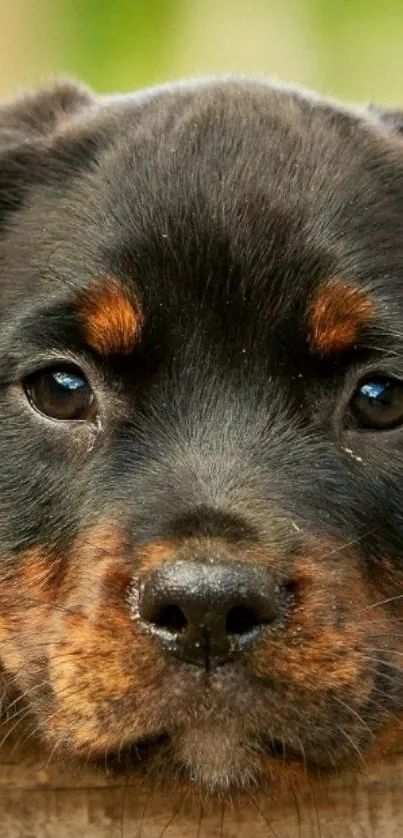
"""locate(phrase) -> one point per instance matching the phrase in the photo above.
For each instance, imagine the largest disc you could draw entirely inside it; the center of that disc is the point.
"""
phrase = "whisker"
(387, 651)
(200, 822)
(393, 698)
(388, 664)
(298, 811)
(303, 756)
(266, 820)
(21, 696)
(222, 821)
(14, 726)
(26, 736)
(351, 543)
(379, 603)
(316, 810)
(352, 743)
(354, 713)
(52, 753)
(143, 814)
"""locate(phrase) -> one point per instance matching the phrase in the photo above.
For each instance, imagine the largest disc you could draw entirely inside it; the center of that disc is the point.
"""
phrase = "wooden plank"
(43, 799)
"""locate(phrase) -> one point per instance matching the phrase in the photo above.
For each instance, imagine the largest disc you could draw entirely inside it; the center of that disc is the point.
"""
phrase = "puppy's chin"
(221, 762)
(214, 761)
(217, 759)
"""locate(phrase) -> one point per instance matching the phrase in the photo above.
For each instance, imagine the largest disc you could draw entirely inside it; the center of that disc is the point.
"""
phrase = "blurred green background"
(348, 48)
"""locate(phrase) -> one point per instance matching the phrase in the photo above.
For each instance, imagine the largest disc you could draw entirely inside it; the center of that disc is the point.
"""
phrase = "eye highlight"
(62, 393)
(377, 403)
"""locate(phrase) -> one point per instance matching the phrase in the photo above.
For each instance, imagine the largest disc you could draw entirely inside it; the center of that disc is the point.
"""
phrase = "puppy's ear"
(38, 115)
(391, 118)
(37, 145)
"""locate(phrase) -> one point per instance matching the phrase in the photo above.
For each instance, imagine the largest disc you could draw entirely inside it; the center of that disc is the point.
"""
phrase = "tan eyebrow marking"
(336, 317)
(112, 320)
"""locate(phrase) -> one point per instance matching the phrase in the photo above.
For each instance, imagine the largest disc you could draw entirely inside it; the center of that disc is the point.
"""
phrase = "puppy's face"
(201, 429)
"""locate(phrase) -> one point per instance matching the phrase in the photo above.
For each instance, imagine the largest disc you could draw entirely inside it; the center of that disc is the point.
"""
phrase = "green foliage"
(117, 45)
(349, 48)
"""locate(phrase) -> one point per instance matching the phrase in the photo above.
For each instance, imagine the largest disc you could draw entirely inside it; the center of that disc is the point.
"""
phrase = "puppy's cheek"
(105, 675)
(68, 644)
(323, 650)
(11, 654)
(27, 593)
(105, 681)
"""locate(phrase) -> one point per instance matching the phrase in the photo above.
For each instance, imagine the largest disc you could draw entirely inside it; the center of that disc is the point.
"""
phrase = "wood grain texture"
(43, 799)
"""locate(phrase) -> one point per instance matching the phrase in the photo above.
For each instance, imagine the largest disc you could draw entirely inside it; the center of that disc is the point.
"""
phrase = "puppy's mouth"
(159, 750)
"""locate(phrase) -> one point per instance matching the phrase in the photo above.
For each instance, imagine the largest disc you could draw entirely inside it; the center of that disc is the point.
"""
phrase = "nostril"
(171, 618)
(241, 620)
(290, 588)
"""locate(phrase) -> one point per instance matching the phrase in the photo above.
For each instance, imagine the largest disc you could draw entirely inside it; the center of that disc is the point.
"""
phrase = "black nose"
(207, 614)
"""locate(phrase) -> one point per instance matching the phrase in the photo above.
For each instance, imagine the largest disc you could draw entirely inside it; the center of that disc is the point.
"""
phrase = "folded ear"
(390, 117)
(30, 151)
(37, 115)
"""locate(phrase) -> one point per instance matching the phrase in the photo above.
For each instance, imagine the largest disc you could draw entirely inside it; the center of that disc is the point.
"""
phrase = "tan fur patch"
(26, 597)
(112, 320)
(336, 317)
(157, 553)
(314, 652)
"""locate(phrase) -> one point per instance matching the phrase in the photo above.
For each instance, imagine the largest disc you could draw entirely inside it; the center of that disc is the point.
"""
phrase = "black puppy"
(201, 429)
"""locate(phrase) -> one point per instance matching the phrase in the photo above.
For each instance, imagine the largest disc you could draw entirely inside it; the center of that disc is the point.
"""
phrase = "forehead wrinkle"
(111, 319)
(336, 316)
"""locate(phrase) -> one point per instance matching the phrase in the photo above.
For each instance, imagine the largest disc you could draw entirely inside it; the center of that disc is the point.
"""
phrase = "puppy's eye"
(61, 394)
(378, 403)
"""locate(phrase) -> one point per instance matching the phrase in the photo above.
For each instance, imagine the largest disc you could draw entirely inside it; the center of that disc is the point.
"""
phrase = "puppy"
(201, 430)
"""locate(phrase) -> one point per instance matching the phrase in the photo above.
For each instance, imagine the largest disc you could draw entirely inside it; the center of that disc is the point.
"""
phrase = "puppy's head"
(201, 428)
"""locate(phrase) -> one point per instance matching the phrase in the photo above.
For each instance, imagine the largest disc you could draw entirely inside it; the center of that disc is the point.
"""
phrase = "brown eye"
(61, 394)
(378, 403)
